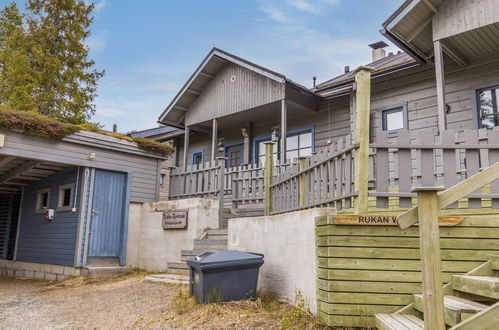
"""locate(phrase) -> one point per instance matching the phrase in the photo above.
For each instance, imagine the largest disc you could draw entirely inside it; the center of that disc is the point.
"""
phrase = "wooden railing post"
(362, 129)
(429, 238)
(221, 190)
(269, 173)
(301, 186)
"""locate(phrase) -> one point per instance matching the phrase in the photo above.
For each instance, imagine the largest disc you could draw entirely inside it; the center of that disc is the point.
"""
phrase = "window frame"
(477, 123)
(39, 192)
(60, 197)
(193, 156)
(298, 131)
(392, 108)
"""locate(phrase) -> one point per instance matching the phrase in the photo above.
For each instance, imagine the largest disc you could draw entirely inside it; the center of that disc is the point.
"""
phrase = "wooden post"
(221, 190)
(440, 79)
(429, 238)
(186, 146)
(269, 173)
(284, 130)
(302, 161)
(362, 129)
(214, 133)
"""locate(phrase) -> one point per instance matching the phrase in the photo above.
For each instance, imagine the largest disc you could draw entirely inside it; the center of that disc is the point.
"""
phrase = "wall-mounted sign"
(385, 220)
(174, 219)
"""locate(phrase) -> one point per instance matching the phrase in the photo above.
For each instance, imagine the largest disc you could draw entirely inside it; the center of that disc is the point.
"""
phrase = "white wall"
(150, 247)
(288, 243)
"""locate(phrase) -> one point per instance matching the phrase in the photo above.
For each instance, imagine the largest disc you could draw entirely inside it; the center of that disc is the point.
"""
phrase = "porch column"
(186, 146)
(214, 137)
(362, 130)
(439, 75)
(284, 129)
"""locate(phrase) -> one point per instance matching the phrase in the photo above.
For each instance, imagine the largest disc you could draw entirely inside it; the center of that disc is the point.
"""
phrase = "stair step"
(178, 268)
(211, 241)
(495, 262)
(487, 286)
(168, 278)
(456, 309)
(103, 262)
(486, 319)
(398, 322)
(216, 232)
(107, 271)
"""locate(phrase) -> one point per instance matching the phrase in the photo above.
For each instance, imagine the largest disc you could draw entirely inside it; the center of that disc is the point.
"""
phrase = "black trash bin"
(224, 275)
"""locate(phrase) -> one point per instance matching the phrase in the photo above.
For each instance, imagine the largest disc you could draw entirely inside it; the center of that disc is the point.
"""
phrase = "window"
(261, 151)
(197, 157)
(65, 196)
(394, 118)
(42, 200)
(299, 144)
(488, 112)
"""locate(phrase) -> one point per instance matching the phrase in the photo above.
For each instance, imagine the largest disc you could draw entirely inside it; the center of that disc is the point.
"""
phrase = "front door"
(235, 155)
(108, 213)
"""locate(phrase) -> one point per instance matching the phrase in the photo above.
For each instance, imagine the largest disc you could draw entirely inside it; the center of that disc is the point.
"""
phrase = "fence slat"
(493, 136)
(382, 169)
(472, 163)
(404, 168)
(449, 161)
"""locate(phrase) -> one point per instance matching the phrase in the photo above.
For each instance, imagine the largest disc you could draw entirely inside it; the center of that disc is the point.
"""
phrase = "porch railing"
(404, 160)
(398, 162)
(325, 178)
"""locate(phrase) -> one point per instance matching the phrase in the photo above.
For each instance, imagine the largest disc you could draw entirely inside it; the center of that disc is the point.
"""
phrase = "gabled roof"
(161, 133)
(174, 113)
(343, 83)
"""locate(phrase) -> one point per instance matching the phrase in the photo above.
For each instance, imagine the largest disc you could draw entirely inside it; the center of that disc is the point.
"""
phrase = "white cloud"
(97, 42)
(274, 14)
(100, 5)
(305, 6)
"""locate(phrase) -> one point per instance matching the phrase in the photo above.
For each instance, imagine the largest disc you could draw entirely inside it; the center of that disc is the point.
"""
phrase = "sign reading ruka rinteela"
(385, 220)
(175, 219)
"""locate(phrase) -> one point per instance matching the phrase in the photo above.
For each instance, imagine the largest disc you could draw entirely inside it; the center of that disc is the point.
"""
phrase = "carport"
(64, 203)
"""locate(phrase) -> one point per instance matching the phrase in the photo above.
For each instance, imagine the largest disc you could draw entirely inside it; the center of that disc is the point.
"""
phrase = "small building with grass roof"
(66, 192)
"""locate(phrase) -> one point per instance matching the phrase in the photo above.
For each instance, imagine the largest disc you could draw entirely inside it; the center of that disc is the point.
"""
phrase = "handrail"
(454, 193)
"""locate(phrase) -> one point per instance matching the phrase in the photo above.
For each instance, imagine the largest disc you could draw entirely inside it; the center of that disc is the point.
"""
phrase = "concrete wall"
(150, 247)
(288, 243)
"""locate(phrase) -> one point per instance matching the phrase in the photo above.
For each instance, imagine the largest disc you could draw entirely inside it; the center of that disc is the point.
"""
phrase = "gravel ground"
(127, 303)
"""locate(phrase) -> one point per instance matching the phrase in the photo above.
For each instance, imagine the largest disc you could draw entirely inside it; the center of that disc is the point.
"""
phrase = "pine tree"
(52, 73)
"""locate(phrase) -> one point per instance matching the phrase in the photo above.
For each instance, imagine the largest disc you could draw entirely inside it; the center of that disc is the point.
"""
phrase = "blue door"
(108, 214)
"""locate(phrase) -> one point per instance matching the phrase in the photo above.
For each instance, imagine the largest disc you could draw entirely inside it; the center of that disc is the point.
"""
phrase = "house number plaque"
(174, 219)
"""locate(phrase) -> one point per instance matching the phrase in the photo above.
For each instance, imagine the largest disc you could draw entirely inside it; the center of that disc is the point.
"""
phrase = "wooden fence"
(322, 179)
(404, 160)
(398, 162)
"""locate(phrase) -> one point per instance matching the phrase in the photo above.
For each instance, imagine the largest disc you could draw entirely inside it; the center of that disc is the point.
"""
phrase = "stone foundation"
(29, 270)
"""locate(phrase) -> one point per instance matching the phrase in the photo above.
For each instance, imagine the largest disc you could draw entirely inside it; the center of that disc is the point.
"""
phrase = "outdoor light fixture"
(92, 156)
(275, 134)
(220, 145)
(244, 131)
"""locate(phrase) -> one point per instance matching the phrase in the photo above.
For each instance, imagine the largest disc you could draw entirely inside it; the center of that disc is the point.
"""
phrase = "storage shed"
(65, 202)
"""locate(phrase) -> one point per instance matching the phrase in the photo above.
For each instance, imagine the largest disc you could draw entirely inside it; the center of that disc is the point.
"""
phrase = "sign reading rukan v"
(385, 220)
(175, 219)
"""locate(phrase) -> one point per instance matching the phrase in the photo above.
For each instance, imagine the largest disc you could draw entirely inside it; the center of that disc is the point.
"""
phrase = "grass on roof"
(32, 123)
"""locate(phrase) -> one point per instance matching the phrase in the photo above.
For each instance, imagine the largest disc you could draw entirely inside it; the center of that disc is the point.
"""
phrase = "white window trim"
(60, 196)
(39, 192)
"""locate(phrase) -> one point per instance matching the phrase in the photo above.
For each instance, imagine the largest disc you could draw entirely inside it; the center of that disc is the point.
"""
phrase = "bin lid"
(226, 258)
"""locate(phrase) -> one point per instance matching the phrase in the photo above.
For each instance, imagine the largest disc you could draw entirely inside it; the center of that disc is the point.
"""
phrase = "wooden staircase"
(471, 301)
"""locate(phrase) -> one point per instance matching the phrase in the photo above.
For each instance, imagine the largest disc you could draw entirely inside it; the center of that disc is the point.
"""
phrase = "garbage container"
(218, 276)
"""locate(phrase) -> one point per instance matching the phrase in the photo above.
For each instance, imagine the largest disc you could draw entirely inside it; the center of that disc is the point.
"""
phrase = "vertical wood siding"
(43, 241)
(233, 89)
(340, 126)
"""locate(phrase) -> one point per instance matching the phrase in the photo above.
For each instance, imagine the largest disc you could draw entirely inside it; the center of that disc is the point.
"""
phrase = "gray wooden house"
(445, 79)
(66, 202)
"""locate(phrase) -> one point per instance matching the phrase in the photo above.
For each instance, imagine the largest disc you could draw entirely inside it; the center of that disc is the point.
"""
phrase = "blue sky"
(149, 48)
